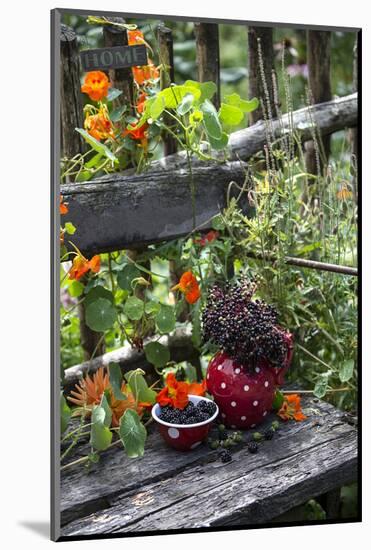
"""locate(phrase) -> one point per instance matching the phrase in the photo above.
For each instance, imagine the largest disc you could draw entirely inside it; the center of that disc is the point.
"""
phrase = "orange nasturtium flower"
(99, 126)
(291, 408)
(138, 134)
(344, 193)
(96, 85)
(63, 208)
(89, 392)
(175, 393)
(189, 286)
(141, 102)
(80, 266)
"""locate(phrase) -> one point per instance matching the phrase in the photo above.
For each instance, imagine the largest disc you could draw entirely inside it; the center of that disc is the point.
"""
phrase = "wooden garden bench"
(167, 489)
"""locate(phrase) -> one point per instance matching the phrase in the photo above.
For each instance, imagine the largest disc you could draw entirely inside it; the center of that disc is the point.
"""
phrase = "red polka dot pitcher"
(245, 395)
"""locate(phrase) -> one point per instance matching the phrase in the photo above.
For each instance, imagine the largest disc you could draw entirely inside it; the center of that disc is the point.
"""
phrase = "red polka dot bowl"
(184, 437)
(244, 395)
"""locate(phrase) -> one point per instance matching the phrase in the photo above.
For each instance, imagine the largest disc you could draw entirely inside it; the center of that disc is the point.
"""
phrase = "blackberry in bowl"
(185, 429)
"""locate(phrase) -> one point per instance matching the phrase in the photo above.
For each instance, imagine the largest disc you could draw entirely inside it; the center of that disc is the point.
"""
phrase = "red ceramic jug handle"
(280, 372)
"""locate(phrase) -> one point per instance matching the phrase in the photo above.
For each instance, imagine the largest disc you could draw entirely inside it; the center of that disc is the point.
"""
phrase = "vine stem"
(288, 392)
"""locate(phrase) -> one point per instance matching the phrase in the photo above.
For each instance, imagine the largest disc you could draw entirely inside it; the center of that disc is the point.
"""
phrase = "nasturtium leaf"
(174, 94)
(211, 121)
(277, 401)
(98, 292)
(247, 106)
(346, 370)
(70, 228)
(113, 93)
(186, 104)
(116, 114)
(217, 223)
(321, 387)
(219, 144)
(157, 107)
(230, 114)
(208, 89)
(115, 378)
(65, 413)
(126, 275)
(75, 289)
(139, 387)
(165, 319)
(132, 434)
(97, 145)
(100, 434)
(152, 307)
(157, 354)
(100, 315)
(108, 416)
(134, 308)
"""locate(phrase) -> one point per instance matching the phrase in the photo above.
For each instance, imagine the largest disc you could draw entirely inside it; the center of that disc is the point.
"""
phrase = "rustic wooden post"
(261, 65)
(165, 44)
(354, 131)
(207, 55)
(122, 79)
(71, 118)
(318, 59)
(71, 101)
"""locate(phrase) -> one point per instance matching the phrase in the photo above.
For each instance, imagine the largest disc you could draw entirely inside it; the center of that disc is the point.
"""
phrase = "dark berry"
(253, 447)
(269, 434)
(225, 456)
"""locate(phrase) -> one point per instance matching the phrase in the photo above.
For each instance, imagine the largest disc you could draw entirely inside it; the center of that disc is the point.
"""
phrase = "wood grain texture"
(119, 210)
(207, 56)
(263, 90)
(168, 490)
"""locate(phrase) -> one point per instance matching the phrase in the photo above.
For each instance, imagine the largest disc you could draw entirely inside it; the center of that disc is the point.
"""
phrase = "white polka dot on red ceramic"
(253, 425)
(243, 418)
(257, 369)
(223, 415)
(223, 385)
(266, 383)
(220, 367)
(237, 371)
(256, 403)
(233, 403)
(173, 433)
(208, 376)
(246, 388)
(195, 444)
(265, 413)
(233, 426)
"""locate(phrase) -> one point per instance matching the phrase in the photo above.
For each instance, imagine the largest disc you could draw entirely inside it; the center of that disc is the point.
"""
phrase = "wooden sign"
(117, 57)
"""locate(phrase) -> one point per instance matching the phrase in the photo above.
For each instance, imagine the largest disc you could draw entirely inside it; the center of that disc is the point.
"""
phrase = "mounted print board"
(205, 191)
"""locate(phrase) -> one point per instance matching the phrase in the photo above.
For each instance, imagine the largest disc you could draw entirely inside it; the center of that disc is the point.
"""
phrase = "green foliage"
(165, 319)
(157, 354)
(132, 433)
(100, 315)
(138, 385)
(97, 145)
(125, 277)
(100, 435)
(115, 377)
(134, 308)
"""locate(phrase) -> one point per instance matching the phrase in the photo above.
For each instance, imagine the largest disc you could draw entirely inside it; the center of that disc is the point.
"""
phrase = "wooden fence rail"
(123, 209)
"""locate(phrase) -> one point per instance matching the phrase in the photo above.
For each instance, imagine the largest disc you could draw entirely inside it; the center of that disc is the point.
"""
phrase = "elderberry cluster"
(245, 329)
(191, 414)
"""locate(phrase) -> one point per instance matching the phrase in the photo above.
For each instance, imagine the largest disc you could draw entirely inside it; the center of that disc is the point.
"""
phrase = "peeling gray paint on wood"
(118, 210)
(167, 489)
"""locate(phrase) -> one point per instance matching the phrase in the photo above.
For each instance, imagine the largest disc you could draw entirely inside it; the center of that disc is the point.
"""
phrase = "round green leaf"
(134, 308)
(100, 315)
(132, 434)
(126, 275)
(157, 354)
(165, 319)
(346, 370)
(186, 104)
(230, 114)
(98, 292)
(211, 121)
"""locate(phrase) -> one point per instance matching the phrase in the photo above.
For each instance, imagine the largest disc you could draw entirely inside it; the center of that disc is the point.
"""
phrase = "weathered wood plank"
(121, 209)
(167, 489)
